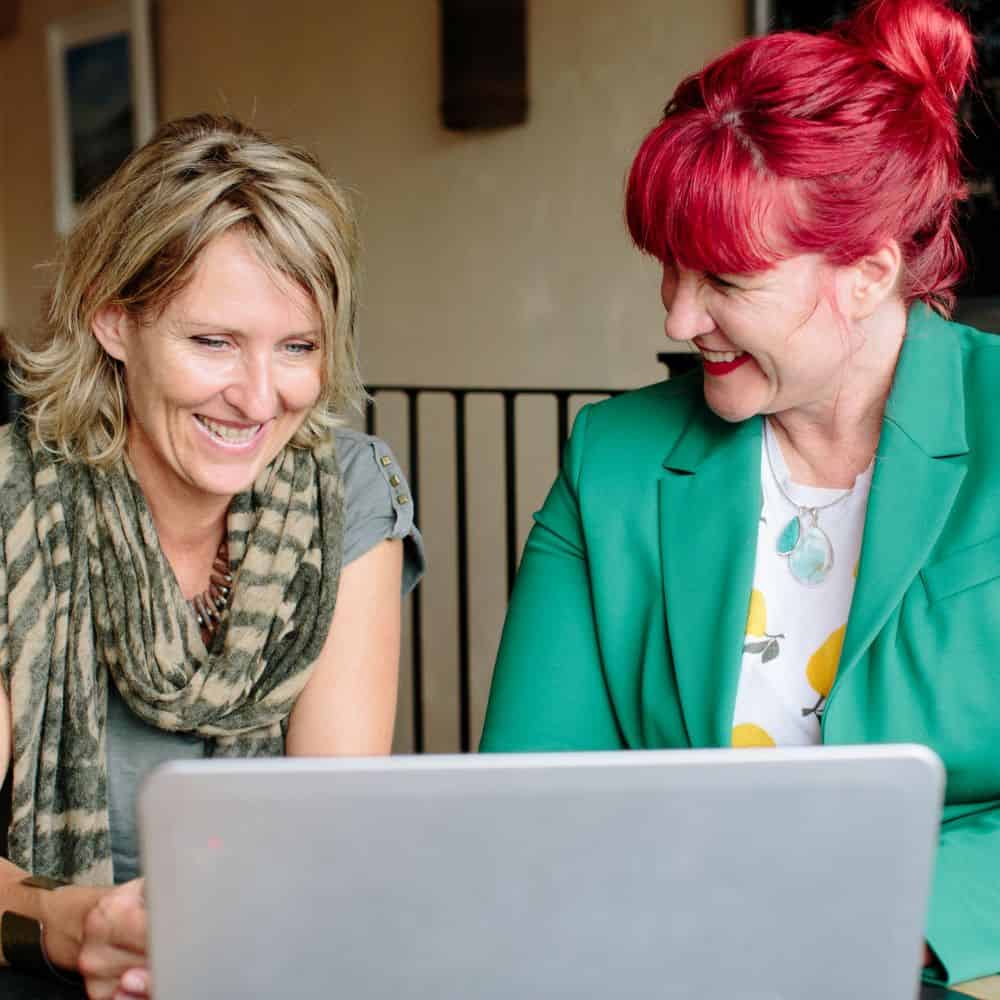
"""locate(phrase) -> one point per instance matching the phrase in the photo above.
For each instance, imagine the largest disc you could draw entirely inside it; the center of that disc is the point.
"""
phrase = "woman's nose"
(253, 391)
(687, 316)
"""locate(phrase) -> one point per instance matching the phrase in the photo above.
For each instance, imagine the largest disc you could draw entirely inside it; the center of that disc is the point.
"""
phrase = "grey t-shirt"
(378, 505)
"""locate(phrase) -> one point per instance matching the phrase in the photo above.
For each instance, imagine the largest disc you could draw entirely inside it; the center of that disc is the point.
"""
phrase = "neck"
(189, 523)
(831, 442)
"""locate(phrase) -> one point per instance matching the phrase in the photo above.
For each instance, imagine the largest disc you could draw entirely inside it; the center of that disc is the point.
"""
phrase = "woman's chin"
(224, 482)
(733, 410)
(739, 394)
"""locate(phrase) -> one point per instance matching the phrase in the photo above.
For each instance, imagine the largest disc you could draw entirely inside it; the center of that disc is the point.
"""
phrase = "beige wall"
(3, 229)
(490, 258)
(483, 250)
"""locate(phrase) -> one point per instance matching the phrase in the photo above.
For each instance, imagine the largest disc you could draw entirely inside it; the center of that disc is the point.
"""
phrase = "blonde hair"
(136, 245)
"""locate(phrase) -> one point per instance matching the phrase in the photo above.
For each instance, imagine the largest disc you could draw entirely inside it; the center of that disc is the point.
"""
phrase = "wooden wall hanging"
(483, 63)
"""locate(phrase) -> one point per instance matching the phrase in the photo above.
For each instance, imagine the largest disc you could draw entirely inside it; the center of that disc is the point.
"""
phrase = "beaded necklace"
(211, 604)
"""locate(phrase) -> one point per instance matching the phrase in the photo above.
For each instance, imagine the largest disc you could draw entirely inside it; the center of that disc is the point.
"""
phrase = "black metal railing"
(460, 396)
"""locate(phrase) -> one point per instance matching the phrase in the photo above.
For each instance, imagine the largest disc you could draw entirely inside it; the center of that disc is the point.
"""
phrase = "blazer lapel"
(919, 468)
(709, 509)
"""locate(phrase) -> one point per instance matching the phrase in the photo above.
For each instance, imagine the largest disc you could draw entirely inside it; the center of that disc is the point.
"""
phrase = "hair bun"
(925, 42)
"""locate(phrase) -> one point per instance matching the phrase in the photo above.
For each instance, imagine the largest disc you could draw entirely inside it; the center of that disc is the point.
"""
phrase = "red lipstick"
(717, 368)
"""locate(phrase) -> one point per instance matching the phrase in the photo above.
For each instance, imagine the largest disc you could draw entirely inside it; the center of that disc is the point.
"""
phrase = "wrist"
(40, 933)
(63, 912)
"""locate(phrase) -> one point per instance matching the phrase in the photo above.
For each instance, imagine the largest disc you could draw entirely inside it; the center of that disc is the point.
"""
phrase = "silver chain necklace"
(805, 545)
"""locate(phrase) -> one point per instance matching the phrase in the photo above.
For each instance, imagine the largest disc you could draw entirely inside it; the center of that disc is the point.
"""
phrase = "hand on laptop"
(113, 955)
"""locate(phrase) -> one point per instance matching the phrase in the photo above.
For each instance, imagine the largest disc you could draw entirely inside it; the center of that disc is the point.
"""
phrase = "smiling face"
(220, 381)
(770, 341)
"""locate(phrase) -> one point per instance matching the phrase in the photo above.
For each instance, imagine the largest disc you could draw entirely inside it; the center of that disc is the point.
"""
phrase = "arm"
(349, 703)
(100, 931)
(549, 690)
(963, 927)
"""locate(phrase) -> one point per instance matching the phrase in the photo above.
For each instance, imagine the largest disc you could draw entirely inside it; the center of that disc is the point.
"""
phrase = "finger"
(111, 989)
(129, 931)
(135, 889)
(120, 920)
(99, 988)
(108, 960)
(135, 983)
(99, 956)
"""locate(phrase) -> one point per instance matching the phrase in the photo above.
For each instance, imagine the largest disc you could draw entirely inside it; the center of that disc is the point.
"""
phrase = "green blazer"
(626, 624)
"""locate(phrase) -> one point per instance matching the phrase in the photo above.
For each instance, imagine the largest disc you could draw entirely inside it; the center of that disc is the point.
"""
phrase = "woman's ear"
(111, 326)
(875, 279)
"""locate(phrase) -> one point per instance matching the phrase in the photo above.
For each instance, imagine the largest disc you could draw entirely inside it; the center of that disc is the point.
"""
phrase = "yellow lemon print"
(757, 616)
(746, 734)
(822, 666)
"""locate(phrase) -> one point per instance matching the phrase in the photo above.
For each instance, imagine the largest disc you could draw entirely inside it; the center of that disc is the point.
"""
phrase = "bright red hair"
(831, 143)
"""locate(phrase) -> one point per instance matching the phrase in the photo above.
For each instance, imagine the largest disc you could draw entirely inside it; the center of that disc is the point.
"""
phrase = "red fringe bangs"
(697, 197)
(832, 143)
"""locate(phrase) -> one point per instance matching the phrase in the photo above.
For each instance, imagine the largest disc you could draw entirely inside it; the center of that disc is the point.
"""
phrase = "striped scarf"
(85, 591)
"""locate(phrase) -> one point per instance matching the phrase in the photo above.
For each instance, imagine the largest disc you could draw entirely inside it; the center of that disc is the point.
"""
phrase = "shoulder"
(363, 458)
(637, 429)
(653, 412)
(377, 499)
(945, 397)
(374, 482)
(933, 338)
(16, 472)
(981, 379)
(980, 350)
(14, 450)
(980, 373)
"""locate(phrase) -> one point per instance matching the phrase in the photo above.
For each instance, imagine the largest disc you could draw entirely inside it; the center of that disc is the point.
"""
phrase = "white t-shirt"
(795, 631)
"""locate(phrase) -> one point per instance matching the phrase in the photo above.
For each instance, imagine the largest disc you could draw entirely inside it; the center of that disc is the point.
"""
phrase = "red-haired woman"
(801, 544)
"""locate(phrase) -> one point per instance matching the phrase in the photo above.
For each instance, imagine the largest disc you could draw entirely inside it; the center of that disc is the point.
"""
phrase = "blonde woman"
(195, 558)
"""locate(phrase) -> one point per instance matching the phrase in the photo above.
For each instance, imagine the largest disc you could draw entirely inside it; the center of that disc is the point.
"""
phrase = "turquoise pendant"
(789, 537)
(812, 559)
(807, 548)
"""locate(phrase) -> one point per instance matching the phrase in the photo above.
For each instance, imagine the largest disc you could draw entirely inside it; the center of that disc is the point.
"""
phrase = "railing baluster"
(9, 403)
(510, 483)
(416, 598)
(464, 725)
(562, 421)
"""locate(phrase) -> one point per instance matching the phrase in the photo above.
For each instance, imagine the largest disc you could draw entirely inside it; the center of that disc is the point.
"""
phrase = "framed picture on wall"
(102, 98)
(979, 295)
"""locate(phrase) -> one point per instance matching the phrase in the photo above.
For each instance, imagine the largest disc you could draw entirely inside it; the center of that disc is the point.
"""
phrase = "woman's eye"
(215, 343)
(300, 347)
(716, 281)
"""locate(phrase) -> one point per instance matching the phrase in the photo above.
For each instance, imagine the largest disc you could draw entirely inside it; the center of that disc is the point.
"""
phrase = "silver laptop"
(737, 875)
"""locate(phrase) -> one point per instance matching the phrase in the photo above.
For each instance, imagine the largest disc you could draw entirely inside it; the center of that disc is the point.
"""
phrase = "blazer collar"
(704, 435)
(709, 506)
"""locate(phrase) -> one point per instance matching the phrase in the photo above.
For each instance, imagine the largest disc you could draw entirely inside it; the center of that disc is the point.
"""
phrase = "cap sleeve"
(378, 502)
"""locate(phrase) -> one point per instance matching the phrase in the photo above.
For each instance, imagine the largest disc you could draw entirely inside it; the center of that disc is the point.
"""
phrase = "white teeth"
(234, 435)
(717, 357)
